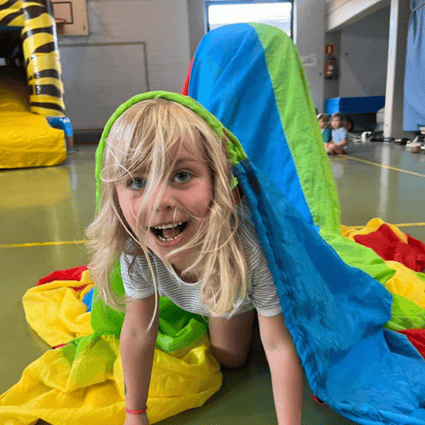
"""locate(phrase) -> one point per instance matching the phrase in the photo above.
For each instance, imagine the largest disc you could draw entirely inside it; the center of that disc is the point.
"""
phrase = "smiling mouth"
(169, 232)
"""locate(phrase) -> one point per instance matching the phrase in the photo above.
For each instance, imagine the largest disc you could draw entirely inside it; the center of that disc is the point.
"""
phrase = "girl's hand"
(136, 419)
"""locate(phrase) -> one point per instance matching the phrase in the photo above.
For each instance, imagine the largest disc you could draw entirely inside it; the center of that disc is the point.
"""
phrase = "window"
(278, 14)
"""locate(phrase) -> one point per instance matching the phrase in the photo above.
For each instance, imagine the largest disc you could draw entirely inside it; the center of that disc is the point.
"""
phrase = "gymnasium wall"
(364, 55)
(133, 46)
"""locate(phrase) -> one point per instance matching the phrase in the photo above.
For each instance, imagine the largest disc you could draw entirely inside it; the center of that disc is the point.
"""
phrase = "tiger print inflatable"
(41, 53)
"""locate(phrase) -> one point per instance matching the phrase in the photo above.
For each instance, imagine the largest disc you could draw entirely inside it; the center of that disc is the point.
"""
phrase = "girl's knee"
(231, 339)
(230, 360)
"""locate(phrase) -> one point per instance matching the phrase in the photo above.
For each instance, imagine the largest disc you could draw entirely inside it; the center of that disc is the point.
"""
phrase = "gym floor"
(43, 214)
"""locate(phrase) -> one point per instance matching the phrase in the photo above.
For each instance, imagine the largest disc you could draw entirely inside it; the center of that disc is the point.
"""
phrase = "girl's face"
(181, 209)
(323, 123)
(336, 122)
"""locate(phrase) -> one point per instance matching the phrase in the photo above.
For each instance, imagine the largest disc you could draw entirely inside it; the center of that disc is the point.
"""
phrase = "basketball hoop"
(60, 25)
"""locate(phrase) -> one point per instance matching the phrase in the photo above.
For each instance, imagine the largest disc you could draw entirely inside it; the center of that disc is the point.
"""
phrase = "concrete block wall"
(96, 83)
(364, 56)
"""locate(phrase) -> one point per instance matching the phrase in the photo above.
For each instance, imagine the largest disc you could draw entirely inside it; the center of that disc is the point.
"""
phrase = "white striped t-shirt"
(261, 294)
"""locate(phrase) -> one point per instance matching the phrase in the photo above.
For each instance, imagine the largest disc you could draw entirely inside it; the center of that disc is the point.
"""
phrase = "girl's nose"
(163, 199)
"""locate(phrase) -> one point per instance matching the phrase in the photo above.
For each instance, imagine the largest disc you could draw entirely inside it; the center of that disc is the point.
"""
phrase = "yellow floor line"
(32, 244)
(395, 224)
(385, 166)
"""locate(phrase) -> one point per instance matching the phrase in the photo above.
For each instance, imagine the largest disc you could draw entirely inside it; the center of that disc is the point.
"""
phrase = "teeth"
(169, 226)
(167, 239)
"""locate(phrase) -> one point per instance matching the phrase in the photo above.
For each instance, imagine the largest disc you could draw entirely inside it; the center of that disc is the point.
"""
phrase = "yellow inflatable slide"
(31, 93)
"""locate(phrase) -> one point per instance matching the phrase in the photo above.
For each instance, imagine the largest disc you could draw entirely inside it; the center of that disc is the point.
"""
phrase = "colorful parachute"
(335, 312)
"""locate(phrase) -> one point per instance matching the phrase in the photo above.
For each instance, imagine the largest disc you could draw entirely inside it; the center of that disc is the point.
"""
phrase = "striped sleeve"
(135, 283)
(262, 292)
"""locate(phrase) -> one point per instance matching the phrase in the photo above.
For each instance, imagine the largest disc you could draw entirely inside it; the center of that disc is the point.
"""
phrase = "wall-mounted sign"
(309, 60)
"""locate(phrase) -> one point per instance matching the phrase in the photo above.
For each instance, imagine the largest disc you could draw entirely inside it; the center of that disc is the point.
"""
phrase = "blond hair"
(144, 138)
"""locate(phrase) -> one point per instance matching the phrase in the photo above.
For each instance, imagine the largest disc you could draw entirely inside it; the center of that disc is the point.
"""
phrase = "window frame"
(208, 3)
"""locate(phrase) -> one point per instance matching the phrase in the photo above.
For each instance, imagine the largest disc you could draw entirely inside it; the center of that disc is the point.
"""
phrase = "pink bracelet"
(135, 412)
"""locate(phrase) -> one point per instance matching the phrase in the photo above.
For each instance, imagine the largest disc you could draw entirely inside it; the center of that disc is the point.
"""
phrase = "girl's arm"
(342, 142)
(285, 368)
(137, 343)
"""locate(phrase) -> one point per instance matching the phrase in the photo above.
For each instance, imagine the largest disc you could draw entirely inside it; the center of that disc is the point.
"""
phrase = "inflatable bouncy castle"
(33, 128)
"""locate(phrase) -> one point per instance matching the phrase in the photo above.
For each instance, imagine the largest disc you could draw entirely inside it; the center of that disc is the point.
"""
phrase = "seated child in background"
(338, 144)
(324, 126)
(351, 136)
(349, 124)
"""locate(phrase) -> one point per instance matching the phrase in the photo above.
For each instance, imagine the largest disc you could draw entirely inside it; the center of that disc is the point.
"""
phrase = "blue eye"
(137, 184)
(182, 177)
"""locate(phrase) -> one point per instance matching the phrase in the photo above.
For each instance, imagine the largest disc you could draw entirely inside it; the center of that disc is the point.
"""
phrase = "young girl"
(323, 120)
(169, 212)
(338, 144)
